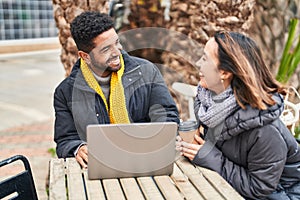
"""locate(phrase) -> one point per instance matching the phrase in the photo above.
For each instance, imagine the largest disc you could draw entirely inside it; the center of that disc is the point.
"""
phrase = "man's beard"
(105, 67)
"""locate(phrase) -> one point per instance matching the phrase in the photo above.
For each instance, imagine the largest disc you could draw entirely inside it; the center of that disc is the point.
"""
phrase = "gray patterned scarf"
(214, 109)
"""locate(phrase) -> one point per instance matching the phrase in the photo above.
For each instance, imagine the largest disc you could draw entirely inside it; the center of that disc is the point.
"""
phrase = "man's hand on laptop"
(82, 156)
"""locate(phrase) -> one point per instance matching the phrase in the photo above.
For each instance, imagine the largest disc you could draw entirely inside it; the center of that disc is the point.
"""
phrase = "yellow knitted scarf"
(117, 105)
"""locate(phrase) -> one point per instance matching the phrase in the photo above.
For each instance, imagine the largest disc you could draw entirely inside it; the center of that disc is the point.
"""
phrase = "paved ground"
(27, 82)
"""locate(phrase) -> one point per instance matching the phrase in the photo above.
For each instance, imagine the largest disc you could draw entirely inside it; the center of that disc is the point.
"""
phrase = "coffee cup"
(187, 131)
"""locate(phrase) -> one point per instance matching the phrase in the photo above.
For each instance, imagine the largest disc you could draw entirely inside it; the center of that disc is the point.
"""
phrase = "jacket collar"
(130, 63)
(250, 118)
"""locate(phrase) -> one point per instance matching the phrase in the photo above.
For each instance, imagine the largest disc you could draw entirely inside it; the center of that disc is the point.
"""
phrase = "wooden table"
(69, 181)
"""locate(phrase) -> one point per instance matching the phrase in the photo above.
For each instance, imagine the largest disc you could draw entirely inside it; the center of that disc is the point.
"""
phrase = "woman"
(239, 104)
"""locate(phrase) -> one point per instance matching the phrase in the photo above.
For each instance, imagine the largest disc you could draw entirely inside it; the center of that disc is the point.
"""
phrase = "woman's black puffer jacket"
(255, 152)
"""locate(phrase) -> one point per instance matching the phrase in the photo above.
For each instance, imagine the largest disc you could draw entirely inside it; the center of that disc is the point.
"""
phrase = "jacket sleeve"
(162, 105)
(65, 134)
(265, 162)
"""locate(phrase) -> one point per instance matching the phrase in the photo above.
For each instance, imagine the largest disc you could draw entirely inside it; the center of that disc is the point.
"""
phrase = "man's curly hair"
(87, 26)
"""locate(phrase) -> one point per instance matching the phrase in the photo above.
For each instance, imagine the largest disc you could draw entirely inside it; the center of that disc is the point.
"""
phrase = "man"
(106, 85)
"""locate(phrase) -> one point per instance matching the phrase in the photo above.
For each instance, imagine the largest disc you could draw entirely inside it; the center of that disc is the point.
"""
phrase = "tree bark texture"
(64, 12)
(264, 20)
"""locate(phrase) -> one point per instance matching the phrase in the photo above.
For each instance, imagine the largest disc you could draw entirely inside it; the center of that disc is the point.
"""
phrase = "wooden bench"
(68, 181)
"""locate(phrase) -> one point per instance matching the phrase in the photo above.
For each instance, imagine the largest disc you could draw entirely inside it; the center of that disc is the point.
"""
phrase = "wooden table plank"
(186, 182)
(206, 190)
(220, 184)
(93, 188)
(149, 188)
(57, 187)
(184, 185)
(167, 187)
(131, 188)
(112, 189)
(74, 180)
(198, 180)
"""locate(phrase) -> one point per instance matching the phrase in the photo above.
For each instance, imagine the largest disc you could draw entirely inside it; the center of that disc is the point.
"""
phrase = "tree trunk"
(64, 12)
(197, 19)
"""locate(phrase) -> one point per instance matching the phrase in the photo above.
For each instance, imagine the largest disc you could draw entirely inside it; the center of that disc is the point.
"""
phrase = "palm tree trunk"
(198, 19)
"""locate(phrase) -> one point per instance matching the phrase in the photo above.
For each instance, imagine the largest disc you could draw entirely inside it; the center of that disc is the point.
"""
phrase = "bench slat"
(57, 187)
(131, 188)
(220, 184)
(149, 188)
(74, 180)
(184, 185)
(198, 180)
(167, 187)
(113, 189)
(93, 188)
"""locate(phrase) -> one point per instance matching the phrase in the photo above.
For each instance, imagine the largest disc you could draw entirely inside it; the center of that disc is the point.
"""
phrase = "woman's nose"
(198, 64)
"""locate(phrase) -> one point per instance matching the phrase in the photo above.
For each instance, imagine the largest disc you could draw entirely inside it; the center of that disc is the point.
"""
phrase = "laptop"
(131, 150)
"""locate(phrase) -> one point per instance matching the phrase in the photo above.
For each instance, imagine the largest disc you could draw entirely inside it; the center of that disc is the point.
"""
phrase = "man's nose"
(116, 49)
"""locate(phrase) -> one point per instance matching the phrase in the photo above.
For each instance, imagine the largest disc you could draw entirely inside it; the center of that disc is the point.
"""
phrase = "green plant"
(297, 132)
(52, 151)
(291, 56)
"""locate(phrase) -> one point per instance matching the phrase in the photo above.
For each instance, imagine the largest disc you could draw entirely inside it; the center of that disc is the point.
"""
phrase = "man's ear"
(84, 56)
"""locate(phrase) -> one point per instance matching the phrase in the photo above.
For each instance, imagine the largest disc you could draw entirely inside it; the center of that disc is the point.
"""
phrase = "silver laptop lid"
(131, 150)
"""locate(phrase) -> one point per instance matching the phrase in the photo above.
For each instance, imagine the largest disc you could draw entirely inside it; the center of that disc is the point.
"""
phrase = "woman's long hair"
(252, 81)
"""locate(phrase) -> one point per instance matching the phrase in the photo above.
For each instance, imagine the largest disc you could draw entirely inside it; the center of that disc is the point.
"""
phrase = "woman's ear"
(225, 75)
(226, 78)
